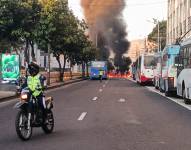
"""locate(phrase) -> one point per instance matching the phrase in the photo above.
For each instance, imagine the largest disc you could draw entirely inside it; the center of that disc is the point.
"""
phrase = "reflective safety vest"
(100, 73)
(34, 85)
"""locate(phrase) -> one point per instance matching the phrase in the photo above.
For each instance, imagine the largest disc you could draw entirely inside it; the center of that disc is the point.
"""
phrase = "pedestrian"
(100, 75)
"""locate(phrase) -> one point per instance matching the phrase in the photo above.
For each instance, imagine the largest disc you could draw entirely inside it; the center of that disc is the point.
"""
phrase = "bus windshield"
(149, 61)
(97, 64)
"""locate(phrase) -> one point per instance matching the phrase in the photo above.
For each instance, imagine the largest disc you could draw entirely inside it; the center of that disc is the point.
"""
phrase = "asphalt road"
(112, 115)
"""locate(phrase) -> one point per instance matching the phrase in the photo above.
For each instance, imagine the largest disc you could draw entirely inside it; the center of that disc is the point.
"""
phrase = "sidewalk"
(4, 94)
(7, 95)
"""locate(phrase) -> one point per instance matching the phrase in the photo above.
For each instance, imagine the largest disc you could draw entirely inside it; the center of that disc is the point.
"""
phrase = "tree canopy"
(153, 36)
(48, 24)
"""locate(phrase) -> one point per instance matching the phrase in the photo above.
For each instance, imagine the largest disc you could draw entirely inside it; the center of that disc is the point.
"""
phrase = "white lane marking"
(122, 100)
(101, 90)
(176, 100)
(104, 85)
(82, 116)
(95, 98)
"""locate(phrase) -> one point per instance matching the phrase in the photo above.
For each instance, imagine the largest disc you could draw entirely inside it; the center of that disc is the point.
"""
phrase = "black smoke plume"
(107, 28)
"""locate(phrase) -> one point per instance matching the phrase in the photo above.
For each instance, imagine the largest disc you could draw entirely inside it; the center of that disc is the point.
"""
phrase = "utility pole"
(96, 40)
(156, 21)
(48, 70)
(158, 37)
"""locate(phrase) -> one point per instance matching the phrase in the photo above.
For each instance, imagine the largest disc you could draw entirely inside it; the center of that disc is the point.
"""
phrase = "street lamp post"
(158, 26)
(48, 69)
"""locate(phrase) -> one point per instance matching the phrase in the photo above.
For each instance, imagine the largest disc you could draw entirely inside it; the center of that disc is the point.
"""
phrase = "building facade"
(179, 20)
(140, 46)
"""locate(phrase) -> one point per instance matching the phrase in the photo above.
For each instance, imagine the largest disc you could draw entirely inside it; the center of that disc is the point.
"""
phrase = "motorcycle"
(27, 118)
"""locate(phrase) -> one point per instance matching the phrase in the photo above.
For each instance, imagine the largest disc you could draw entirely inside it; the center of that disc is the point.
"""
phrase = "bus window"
(189, 57)
(98, 64)
(149, 61)
(185, 57)
(139, 64)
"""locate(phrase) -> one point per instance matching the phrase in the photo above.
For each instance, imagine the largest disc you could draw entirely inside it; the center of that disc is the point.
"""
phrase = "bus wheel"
(161, 90)
(167, 93)
(156, 85)
(186, 100)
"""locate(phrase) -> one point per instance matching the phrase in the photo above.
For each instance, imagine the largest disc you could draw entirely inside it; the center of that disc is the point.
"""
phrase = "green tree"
(10, 20)
(153, 36)
(18, 20)
(64, 39)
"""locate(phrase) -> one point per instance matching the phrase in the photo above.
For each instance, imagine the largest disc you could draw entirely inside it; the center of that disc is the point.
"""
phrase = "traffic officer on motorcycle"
(36, 83)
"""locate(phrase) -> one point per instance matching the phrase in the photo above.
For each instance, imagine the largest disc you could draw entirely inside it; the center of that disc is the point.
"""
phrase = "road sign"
(10, 67)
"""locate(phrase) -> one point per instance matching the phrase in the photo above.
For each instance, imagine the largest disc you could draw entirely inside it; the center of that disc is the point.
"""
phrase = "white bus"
(168, 79)
(145, 65)
(183, 62)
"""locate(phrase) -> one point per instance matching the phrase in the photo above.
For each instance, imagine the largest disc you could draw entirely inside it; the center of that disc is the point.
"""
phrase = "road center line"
(122, 100)
(95, 98)
(100, 90)
(82, 116)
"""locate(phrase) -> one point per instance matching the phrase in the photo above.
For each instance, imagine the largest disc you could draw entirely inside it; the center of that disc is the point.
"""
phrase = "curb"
(48, 88)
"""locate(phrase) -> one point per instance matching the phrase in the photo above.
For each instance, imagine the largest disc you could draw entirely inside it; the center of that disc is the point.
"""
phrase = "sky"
(138, 15)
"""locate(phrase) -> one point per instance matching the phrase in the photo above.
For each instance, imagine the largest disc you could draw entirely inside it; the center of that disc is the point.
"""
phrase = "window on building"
(177, 32)
(186, 58)
(189, 23)
(180, 29)
(184, 26)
